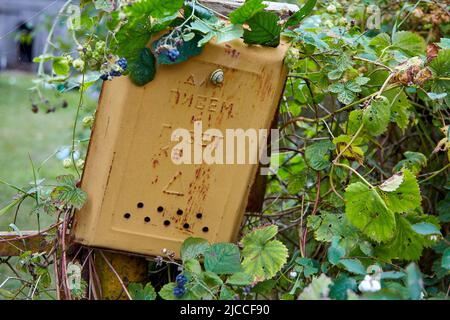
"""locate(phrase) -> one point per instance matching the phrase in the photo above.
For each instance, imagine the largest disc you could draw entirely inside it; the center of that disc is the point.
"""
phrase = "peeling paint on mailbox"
(139, 200)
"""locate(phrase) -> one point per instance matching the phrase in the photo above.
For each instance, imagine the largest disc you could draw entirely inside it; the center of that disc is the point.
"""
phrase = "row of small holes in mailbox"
(160, 209)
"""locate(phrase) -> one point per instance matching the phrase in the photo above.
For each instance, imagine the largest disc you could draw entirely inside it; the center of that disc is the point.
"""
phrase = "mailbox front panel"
(139, 200)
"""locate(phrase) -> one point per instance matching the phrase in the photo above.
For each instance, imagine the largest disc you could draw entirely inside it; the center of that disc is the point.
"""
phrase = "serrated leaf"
(353, 266)
(193, 247)
(362, 80)
(367, 211)
(192, 266)
(156, 8)
(139, 292)
(400, 107)
(414, 162)
(335, 75)
(240, 279)
(318, 154)
(222, 258)
(410, 43)
(406, 197)
(353, 86)
(263, 257)
(142, 69)
(298, 17)
(318, 289)
(406, 244)
(246, 11)
(376, 117)
(346, 96)
(337, 87)
(264, 29)
(441, 71)
(229, 33)
(68, 193)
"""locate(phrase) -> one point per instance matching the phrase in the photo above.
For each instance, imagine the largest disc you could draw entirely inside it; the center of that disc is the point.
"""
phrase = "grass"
(25, 135)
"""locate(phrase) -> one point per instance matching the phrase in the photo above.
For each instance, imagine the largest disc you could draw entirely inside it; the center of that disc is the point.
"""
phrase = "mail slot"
(139, 199)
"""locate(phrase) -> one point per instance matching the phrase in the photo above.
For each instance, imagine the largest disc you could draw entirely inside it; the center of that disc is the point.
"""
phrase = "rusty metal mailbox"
(139, 200)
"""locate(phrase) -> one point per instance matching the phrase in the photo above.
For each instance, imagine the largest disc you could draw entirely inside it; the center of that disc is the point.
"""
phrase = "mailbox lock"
(217, 77)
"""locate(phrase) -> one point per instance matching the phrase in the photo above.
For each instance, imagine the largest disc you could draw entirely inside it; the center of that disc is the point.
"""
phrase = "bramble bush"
(359, 208)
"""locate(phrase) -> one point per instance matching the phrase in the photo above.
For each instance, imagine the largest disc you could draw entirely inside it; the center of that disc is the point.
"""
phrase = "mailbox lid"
(138, 199)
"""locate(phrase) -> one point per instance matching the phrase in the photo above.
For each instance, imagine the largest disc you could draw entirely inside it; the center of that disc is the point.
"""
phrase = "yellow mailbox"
(139, 200)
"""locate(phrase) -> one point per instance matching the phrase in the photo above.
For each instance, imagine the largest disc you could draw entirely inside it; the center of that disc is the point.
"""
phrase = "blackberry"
(123, 63)
(181, 279)
(115, 73)
(246, 290)
(173, 54)
(179, 291)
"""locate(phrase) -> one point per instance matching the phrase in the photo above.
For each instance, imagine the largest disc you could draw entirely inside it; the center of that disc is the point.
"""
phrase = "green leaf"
(410, 43)
(340, 287)
(226, 293)
(406, 197)
(298, 17)
(407, 244)
(376, 117)
(156, 8)
(264, 29)
(367, 211)
(229, 33)
(263, 257)
(414, 281)
(335, 252)
(395, 275)
(61, 66)
(337, 87)
(414, 162)
(139, 292)
(246, 11)
(380, 42)
(353, 266)
(425, 228)
(68, 193)
(192, 266)
(346, 96)
(193, 247)
(353, 86)
(142, 70)
(400, 107)
(240, 279)
(441, 71)
(318, 154)
(222, 258)
(446, 259)
(318, 289)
